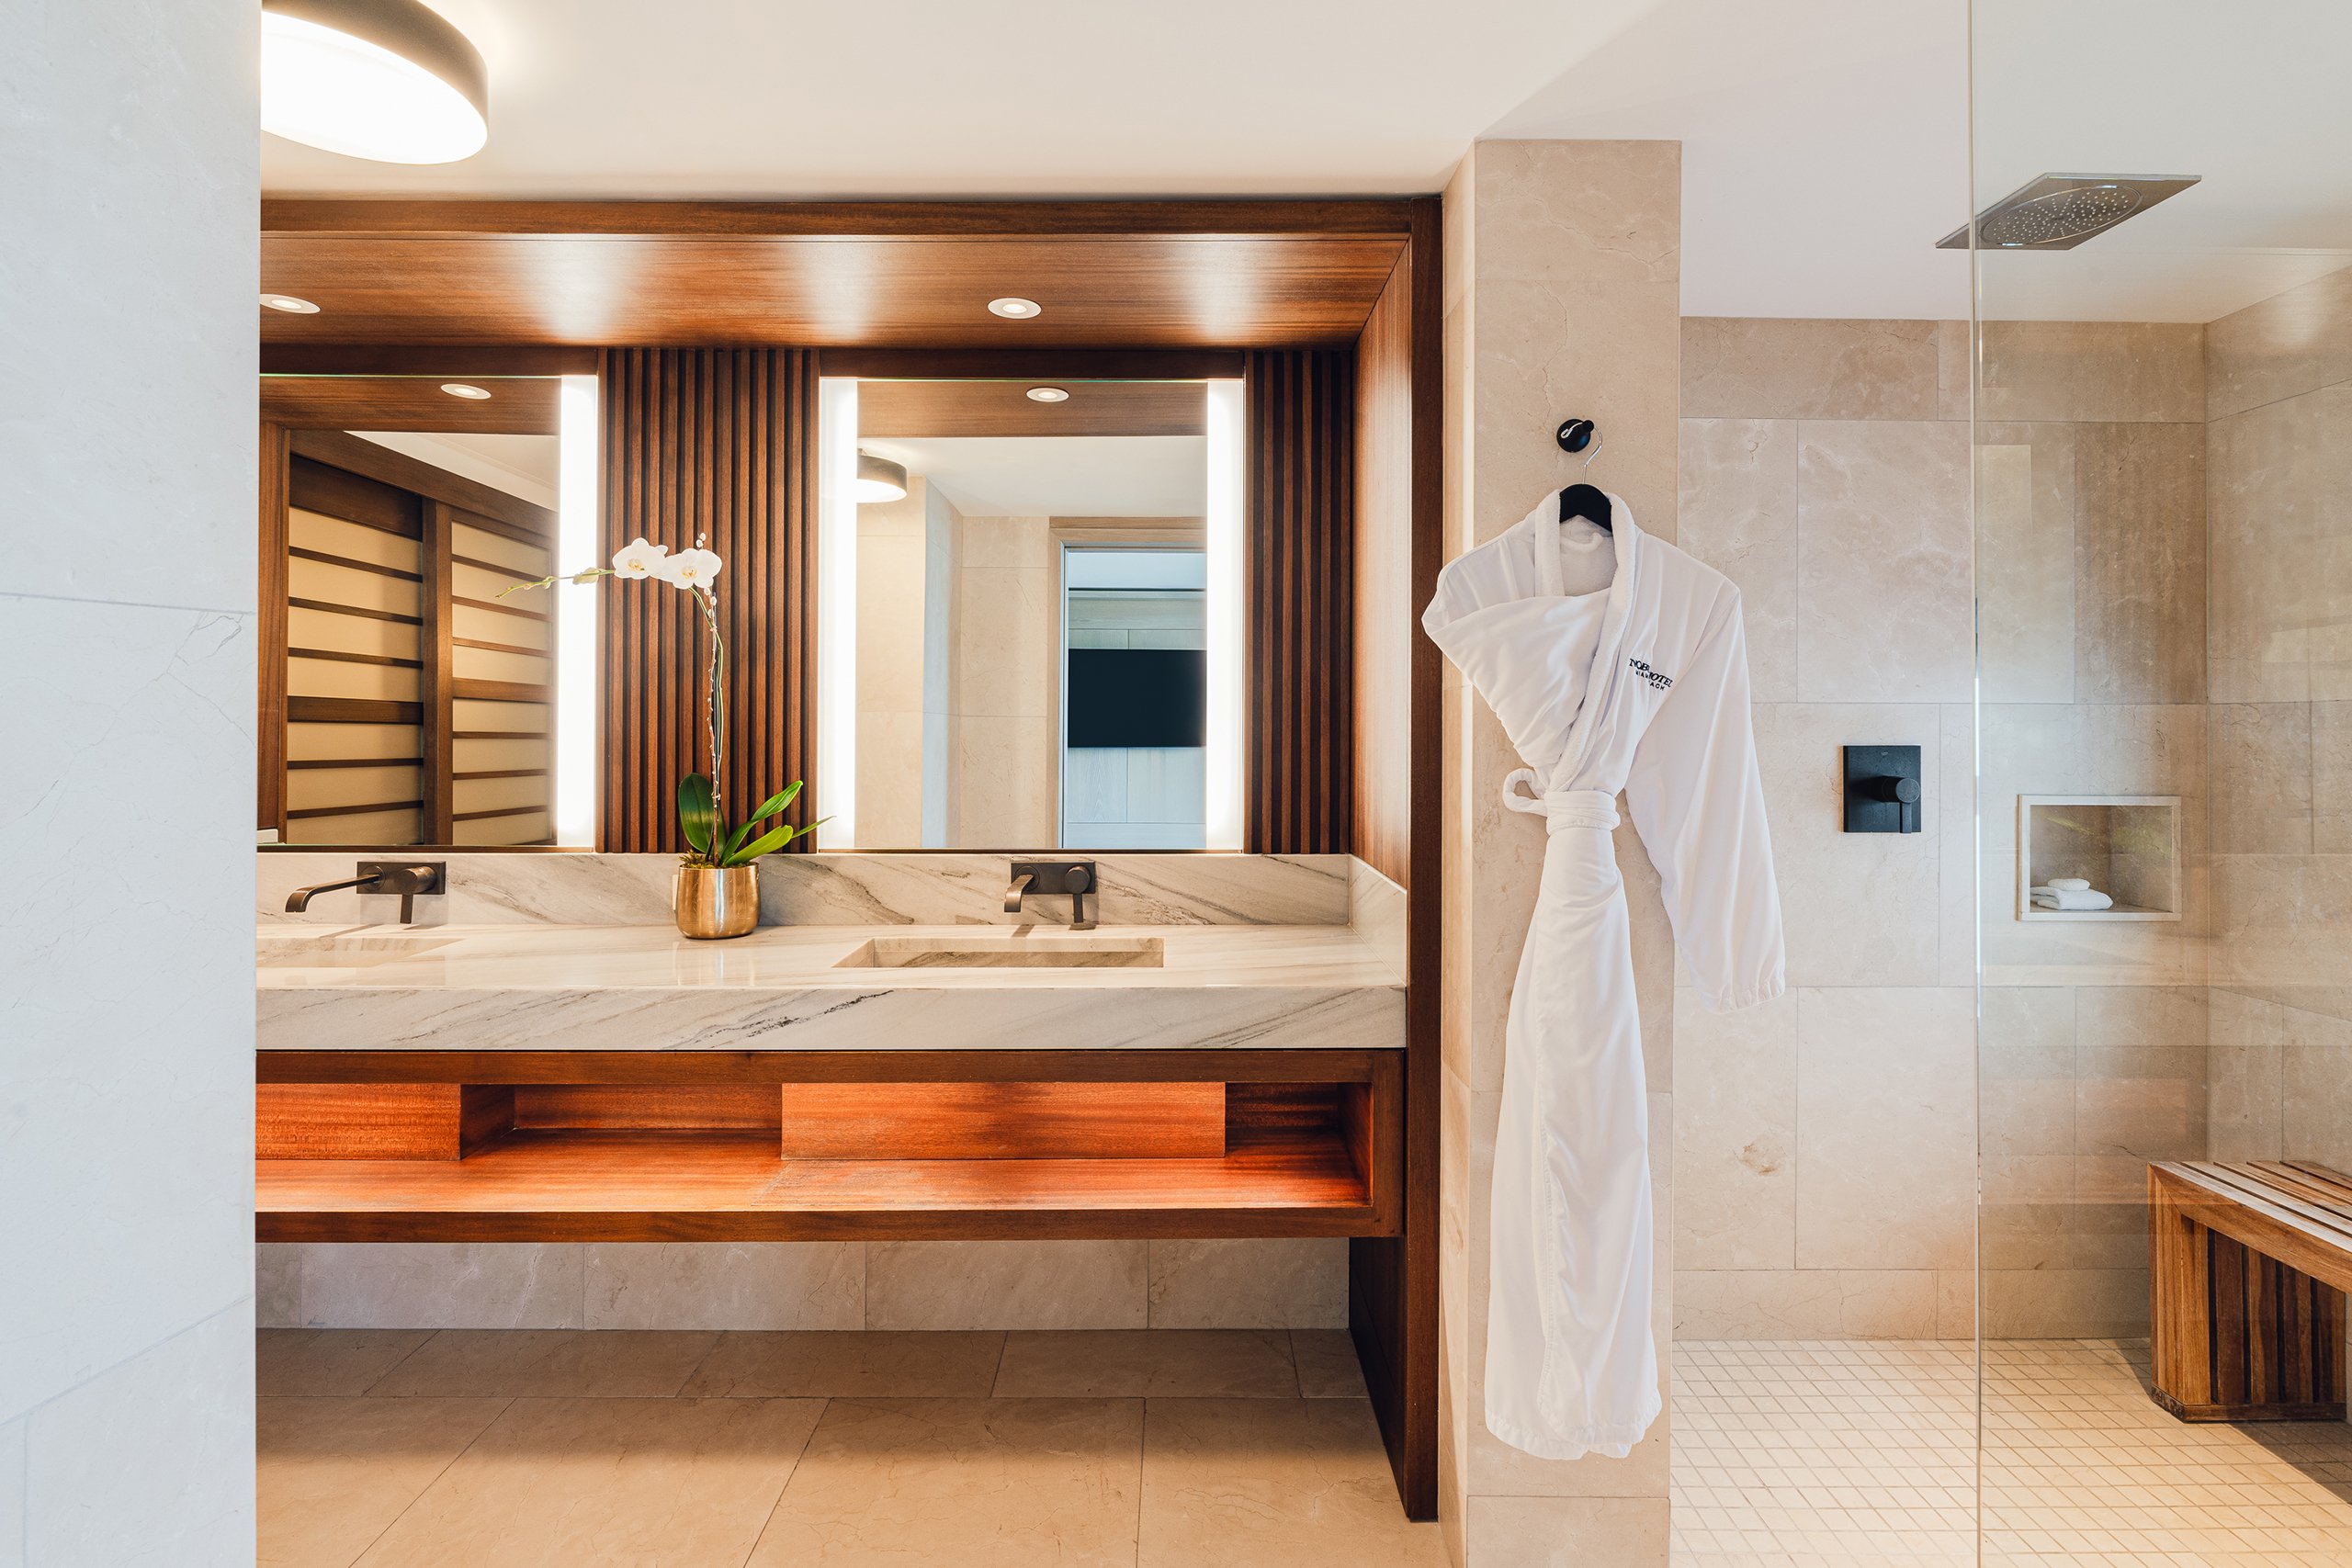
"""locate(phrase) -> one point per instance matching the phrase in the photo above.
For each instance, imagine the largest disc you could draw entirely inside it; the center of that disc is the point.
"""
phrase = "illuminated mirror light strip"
(1226, 613)
(578, 546)
(836, 781)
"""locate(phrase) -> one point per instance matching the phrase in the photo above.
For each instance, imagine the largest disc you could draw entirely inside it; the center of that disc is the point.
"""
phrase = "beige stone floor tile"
(329, 1360)
(334, 1471)
(1328, 1367)
(549, 1363)
(1109, 1363)
(1273, 1484)
(875, 1364)
(971, 1483)
(607, 1483)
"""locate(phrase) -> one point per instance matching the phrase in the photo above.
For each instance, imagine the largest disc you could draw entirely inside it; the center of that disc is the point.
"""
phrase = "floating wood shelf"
(1041, 1144)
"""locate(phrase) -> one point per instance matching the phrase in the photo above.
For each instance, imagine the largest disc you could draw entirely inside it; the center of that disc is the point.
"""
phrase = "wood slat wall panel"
(719, 443)
(269, 777)
(1386, 626)
(1302, 589)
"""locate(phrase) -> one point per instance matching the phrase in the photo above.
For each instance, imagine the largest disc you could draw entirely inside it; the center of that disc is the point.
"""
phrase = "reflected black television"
(1138, 697)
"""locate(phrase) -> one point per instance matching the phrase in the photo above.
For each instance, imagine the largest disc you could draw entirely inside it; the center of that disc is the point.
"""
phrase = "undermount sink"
(322, 952)
(1005, 953)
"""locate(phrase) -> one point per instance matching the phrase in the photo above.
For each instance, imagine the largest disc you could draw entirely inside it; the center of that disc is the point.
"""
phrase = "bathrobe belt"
(1560, 807)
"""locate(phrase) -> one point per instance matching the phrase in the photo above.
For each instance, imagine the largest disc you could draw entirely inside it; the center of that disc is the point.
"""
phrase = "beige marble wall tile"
(2262, 779)
(277, 1285)
(1248, 1283)
(334, 1473)
(2282, 927)
(2331, 780)
(1861, 909)
(1006, 1284)
(1567, 1532)
(1735, 1135)
(2280, 347)
(1759, 367)
(1327, 1363)
(1956, 809)
(1886, 1137)
(1577, 212)
(441, 1285)
(2065, 1303)
(2281, 561)
(1806, 1303)
(2140, 563)
(1738, 513)
(2246, 1087)
(817, 1284)
(2026, 561)
(598, 1481)
(2092, 370)
(2317, 1073)
(2088, 749)
(1884, 561)
(1955, 369)
(1271, 1483)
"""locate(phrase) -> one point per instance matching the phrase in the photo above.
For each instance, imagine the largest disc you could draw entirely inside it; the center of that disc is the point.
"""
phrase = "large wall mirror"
(410, 698)
(1043, 612)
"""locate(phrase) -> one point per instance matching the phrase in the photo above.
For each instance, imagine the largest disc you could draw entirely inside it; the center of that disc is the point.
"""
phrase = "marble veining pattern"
(587, 889)
(636, 987)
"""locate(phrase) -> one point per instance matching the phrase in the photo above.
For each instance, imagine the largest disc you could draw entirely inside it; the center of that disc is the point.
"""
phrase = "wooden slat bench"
(2248, 1265)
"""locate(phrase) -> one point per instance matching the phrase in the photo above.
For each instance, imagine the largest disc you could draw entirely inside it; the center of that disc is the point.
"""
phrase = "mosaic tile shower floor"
(1840, 1453)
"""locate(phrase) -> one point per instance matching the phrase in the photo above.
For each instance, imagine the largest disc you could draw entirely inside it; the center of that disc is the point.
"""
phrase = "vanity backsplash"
(837, 889)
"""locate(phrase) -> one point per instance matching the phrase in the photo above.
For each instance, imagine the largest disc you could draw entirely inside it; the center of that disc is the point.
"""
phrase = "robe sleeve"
(1697, 802)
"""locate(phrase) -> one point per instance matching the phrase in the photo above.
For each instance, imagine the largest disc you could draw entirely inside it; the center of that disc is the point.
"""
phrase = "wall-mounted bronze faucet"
(1075, 877)
(405, 878)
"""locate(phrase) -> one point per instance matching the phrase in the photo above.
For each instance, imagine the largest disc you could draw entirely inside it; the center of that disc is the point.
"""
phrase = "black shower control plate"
(1877, 780)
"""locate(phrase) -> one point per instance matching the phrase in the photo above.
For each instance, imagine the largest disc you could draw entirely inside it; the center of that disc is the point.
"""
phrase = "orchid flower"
(636, 560)
(689, 569)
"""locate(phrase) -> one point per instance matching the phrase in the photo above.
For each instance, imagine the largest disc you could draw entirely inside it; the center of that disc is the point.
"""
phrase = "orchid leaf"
(735, 842)
(768, 843)
(694, 815)
(778, 801)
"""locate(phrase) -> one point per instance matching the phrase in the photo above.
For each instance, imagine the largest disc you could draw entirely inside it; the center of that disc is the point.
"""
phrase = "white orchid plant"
(702, 807)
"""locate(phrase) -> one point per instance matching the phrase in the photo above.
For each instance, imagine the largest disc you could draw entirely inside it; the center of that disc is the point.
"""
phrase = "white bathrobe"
(1640, 687)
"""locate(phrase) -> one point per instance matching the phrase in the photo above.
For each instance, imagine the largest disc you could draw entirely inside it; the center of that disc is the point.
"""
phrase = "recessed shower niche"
(2075, 851)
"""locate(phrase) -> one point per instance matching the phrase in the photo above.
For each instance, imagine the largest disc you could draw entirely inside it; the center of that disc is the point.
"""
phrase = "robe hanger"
(1589, 501)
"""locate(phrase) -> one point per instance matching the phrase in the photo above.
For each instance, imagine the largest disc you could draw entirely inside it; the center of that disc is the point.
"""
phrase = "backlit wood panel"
(1003, 1121)
(924, 409)
(718, 445)
(1301, 452)
(378, 1120)
(1117, 275)
(516, 405)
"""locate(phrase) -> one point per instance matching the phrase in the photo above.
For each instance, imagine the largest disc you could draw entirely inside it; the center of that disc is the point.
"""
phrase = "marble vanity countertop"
(640, 988)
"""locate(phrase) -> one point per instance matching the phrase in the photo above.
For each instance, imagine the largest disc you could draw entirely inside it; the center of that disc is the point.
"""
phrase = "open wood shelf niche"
(627, 1146)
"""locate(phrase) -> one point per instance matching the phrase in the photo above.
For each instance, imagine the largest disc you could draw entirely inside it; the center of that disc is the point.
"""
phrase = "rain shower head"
(2058, 212)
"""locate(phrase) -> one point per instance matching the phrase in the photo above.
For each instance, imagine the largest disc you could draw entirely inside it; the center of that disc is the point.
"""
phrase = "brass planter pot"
(716, 901)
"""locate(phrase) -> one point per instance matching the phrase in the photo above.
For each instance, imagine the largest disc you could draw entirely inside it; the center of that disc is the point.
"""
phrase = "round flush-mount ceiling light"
(292, 304)
(387, 80)
(1048, 395)
(466, 390)
(878, 479)
(1013, 308)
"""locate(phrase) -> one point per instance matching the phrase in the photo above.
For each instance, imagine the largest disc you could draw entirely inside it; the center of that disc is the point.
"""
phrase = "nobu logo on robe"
(1658, 680)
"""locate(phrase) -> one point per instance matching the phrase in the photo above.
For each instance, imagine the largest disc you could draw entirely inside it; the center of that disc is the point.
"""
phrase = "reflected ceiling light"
(289, 303)
(1047, 395)
(381, 79)
(878, 479)
(1014, 307)
(465, 389)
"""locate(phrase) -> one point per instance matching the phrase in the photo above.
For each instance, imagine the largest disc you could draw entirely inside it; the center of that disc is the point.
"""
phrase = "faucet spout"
(300, 899)
(1012, 895)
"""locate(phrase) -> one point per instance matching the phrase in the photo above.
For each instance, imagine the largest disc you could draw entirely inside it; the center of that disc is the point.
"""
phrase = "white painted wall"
(128, 261)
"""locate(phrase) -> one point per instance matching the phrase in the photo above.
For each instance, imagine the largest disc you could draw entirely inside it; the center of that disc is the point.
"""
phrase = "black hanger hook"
(1576, 434)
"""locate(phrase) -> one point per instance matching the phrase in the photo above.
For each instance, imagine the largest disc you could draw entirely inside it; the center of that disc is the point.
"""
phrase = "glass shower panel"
(2162, 443)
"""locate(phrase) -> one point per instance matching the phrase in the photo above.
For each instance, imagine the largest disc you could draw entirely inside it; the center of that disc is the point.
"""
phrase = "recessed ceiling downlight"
(1047, 395)
(387, 80)
(291, 304)
(466, 390)
(1014, 307)
(878, 479)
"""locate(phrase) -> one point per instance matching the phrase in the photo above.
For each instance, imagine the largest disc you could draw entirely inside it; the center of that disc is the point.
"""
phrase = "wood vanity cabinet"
(627, 1146)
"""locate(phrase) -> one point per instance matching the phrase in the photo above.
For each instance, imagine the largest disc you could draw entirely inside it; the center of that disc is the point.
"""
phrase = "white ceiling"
(524, 465)
(1826, 141)
(1060, 475)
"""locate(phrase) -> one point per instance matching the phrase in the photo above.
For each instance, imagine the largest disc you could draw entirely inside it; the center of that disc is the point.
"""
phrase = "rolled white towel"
(2069, 885)
(2075, 899)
